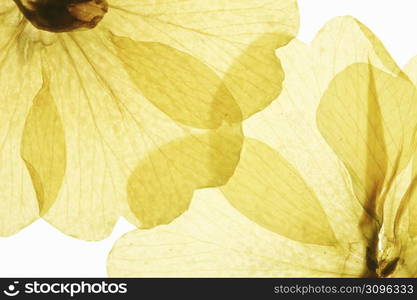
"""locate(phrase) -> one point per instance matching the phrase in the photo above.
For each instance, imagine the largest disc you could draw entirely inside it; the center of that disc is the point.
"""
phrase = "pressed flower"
(325, 185)
(124, 108)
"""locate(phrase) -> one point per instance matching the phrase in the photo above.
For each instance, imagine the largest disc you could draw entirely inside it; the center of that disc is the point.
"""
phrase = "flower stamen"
(63, 15)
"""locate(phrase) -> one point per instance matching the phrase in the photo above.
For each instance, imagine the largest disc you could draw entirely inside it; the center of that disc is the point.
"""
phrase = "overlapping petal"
(18, 87)
(410, 201)
(269, 191)
(237, 39)
(212, 239)
(368, 117)
(294, 159)
(111, 125)
(193, 95)
(43, 147)
(111, 130)
(161, 187)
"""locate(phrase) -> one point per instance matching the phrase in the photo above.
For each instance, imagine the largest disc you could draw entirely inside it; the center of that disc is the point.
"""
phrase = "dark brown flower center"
(63, 15)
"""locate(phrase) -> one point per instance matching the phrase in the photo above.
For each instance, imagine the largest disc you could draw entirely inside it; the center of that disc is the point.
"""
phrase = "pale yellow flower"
(125, 107)
(324, 186)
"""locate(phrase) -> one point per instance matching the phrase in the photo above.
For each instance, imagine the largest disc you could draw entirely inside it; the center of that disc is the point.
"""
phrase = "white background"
(41, 251)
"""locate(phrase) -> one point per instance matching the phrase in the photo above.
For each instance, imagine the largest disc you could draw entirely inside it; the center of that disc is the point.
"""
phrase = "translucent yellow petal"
(20, 81)
(411, 198)
(178, 84)
(8, 12)
(395, 220)
(344, 41)
(212, 239)
(380, 51)
(412, 208)
(43, 148)
(409, 260)
(110, 128)
(386, 118)
(162, 185)
(237, 38)
(203, 242)
(289, 126)
(255, 78)
(270, 192)
(368, 117)
(411, 69)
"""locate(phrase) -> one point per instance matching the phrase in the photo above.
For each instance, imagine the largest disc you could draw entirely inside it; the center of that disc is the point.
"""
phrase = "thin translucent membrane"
(88, 111)
(199, 100)
(269, 191)
(117, 140)
(212, 239)
(405, 218)
(298, 203)
(411, 207)
(368, 117)
(161, 187)
(221, 34)
(18, 87)
(43, 148)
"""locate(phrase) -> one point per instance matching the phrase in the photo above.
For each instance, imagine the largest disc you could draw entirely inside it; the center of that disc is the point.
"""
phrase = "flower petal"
(368, 117)
(162, 185)
(110, 128)
(410, 199)
(215, 240)
(342, 42)
(289, 126)
(409, 267)
(43, 147)
(270, 192)
(178, 84)
(237, 38)
(212, 239)
(20, 81)
(378, 47)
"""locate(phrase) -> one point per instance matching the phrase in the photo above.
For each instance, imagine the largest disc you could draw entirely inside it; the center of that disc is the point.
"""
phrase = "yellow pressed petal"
(212, 239)
(412, 210)
(340, 43)
(309, 73)
(270, 192)
(43, 148)
(237, 38)
(368, 117)
(178, 84)
(380, 51)
(289, 126)
(255, 78)
(162, 185)
(410, 199)
(407, 212)
(344, 41)
(395, 221)
(110, 128)
(20, 81)
(6, 7)
(408, 267)
(411, 69)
